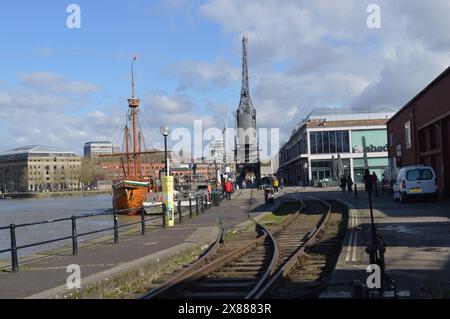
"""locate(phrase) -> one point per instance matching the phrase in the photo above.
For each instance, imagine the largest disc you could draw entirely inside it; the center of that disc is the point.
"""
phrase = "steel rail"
(198, 267)
(189, 271)
(290, 264)
(206, 258)
(273, 264)
(201, 267)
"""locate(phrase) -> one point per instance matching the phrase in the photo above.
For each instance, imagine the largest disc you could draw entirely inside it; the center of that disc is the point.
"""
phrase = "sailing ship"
(129, 192)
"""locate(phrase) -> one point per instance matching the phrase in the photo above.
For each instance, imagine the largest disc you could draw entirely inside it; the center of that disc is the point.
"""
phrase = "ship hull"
(128, 196)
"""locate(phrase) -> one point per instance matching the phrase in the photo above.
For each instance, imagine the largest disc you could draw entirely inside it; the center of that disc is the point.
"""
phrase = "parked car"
(415, 182)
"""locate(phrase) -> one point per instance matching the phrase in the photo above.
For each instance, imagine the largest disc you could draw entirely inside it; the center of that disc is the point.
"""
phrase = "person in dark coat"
(343, 183)
(349, 184)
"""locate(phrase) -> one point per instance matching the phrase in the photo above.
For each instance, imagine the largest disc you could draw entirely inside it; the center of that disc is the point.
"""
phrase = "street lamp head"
(165, 130)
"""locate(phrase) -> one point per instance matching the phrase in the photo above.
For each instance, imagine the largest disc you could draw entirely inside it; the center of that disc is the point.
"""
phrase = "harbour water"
(19, 211)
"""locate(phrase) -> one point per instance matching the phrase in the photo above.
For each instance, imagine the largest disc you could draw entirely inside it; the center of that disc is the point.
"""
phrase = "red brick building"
(150, 166)
(420, 132)
(114, 171)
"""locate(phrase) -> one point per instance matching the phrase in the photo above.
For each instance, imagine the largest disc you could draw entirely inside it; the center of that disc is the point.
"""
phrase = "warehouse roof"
(37, 149)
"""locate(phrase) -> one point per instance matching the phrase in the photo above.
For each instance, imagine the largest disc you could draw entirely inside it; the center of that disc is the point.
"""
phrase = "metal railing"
(200, 203)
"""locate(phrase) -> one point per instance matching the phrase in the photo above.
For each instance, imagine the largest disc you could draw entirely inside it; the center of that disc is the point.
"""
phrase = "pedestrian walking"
(374, 179)
(228, 189)
(349, 184)
(343, 183)
(209, 190)
(275, 185)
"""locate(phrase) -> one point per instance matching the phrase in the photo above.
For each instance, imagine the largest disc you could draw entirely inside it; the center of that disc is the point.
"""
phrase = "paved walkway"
(104, 259)
(418, 243)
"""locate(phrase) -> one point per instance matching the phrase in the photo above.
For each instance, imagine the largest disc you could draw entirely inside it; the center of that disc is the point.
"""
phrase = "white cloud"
(51, 82)
(165, 103)
(330, 59)
(204, 75)
(40, 110)
(304, 55)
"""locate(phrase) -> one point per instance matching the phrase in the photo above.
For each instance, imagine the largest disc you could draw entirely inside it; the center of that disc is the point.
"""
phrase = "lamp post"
(215, 172)
(165, 133)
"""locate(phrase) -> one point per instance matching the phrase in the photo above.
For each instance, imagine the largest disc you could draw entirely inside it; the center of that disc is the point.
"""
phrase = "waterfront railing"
(196, 205)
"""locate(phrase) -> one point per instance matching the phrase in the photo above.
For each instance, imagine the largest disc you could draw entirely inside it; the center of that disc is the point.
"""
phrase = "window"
(391, 139)
(319, 143)
(333, 142)
(326, 143)
(345, 142)
(313, 143)
(330, 142)
(408, 140)
(339, 142)
(419, 175)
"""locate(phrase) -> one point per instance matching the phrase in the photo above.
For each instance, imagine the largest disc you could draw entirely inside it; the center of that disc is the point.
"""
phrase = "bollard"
(356, 191)
(142, 221)
(190, 207)
(163, 215)
(14, 260)
(180, 215)
(116, 228)
(196, 205)
(74, 236)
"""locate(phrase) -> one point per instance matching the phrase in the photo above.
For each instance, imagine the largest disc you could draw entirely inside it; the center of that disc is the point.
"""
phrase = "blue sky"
(62, 87)
(111, 33)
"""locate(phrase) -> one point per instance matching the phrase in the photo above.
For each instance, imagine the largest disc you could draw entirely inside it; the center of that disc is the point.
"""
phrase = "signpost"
(167, 186)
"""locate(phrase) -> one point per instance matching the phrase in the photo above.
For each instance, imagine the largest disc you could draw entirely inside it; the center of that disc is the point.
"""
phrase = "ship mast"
(133, 103)
(127, 150)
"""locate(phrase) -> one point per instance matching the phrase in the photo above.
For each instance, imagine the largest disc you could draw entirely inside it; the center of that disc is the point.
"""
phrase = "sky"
(63, 87)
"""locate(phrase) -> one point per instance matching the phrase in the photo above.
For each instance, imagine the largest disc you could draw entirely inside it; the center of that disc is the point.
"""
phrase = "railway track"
(249, 265)
(307, 272)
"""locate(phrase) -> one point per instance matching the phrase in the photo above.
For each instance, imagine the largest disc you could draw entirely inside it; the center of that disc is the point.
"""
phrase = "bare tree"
(23, 182)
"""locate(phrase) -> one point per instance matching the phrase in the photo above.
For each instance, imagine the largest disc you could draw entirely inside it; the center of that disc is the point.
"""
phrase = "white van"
(415, 182)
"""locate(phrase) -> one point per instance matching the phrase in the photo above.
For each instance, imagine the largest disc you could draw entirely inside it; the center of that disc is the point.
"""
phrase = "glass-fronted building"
(323, 147)
(92, 149)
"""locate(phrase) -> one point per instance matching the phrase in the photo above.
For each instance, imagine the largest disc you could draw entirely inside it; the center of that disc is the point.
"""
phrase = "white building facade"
(97, 148)
(307, 157)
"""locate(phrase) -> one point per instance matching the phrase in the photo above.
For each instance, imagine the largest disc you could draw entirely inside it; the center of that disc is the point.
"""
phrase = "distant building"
(112, 168)
(116, 148)
(420, 132)
(215, 152)
(37, 168)
(95, 148)
(267, 168)
(308, 155)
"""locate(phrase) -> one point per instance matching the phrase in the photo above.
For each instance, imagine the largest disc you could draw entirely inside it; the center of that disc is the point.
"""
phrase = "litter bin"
(268, 195)
(215, 198)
